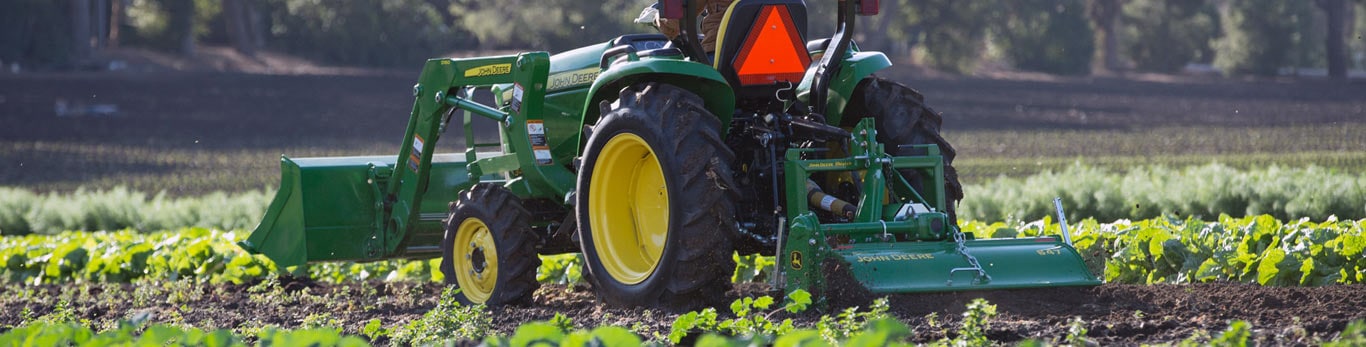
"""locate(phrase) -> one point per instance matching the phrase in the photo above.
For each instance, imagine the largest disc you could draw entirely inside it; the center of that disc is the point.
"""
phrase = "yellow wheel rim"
(628, 208)
(476, 260)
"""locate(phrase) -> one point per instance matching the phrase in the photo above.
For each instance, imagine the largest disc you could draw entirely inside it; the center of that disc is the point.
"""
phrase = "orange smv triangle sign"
(770, 53)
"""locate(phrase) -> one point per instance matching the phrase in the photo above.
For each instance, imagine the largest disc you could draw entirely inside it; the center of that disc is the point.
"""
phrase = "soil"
(1113, 314)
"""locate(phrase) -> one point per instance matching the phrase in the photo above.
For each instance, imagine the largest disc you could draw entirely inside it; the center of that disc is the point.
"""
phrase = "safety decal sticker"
(516, 102)
(489, 70)
(540, 146)
(415, 156)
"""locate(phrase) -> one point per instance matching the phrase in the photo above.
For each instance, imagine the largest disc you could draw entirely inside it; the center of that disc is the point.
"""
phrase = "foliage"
(1076, 333)
(555, 25)
(565, 269)
(751, 268)
(196, 254)
(748, 321)
(976, 321)
(27, 37)
(22, 212)
(550, 334)
(950, 33)
(1046, 36)
(448, 321)
(1259, 36)
(371, 32)
(72, 334)
(850, 321)
(1257, 249)
(1202, 191)
(1165, 35)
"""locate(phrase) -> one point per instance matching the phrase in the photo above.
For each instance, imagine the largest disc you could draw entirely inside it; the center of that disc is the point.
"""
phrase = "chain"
(963, 249)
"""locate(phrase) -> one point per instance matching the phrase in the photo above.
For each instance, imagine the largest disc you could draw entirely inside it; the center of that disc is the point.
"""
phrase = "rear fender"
(856, 67)
(698, 78)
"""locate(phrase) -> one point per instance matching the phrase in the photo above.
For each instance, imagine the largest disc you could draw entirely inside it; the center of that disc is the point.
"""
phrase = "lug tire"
(902, 118)
(667, 130)
(494, 219)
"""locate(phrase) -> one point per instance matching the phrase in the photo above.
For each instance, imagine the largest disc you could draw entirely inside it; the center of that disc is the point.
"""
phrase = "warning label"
(540, 146)
(516, 102)
(415, 157)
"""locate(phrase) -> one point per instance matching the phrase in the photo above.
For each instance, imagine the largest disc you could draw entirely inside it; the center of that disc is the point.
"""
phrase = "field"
(189, 134)
(192, 133)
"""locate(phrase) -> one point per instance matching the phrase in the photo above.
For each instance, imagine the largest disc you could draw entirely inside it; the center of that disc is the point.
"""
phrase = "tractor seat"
(761, 46)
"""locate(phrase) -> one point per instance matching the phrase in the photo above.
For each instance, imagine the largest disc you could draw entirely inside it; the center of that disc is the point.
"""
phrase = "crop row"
(1087, 192)
(1147, 192)
(1256, 249)
(1259, 249)
(24, 212)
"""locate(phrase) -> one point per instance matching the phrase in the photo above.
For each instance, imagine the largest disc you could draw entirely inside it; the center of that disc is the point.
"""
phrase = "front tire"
(655, 201)
(902, 118)
(489, 249)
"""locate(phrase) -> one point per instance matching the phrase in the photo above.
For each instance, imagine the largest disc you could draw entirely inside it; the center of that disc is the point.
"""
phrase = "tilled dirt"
(1112, 313)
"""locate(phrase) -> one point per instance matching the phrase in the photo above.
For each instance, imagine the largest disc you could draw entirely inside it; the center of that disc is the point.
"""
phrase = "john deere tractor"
(659, 162)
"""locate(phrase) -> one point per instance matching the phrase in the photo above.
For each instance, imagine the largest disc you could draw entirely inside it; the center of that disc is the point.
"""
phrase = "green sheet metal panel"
(905, 267)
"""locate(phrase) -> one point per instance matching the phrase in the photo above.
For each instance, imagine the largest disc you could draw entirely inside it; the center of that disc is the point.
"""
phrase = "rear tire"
(655, 201)
(902, 118)
(489, 249)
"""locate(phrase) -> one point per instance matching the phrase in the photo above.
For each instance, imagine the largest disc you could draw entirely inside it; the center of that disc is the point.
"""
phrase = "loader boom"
(442, 90)
(370, 208)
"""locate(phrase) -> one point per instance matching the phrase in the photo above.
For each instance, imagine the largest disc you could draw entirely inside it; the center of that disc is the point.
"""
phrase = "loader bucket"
(326, 209)
(937, 266)
(320, 199)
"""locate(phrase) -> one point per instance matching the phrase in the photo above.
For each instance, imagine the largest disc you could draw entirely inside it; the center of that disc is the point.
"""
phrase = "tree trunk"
(101, 23)
(1105, 16)
(115, 20)
(1335, 12)
(237, 19)
(80, 29)
(255, 30)
(182, 24)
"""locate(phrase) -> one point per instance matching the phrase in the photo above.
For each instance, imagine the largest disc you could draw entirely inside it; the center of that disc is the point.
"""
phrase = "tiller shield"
(900, 241)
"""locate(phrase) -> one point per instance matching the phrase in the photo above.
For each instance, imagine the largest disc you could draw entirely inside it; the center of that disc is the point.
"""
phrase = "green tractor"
(659, 162)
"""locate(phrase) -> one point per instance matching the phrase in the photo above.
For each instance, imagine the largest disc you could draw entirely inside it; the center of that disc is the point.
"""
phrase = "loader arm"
(370, 208)
(529, 164)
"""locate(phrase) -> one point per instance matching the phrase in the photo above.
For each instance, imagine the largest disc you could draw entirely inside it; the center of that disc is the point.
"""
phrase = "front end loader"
(660, 159)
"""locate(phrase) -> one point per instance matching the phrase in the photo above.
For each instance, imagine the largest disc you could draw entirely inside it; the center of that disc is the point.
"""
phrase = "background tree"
(181, 25)
(242, 24)
(952, 32)
(1335, 12)
(555, 25)
(1259, 36)
(1165, 35)
(80, 28)
(1046, 35)
(33, 32)
(375, 33)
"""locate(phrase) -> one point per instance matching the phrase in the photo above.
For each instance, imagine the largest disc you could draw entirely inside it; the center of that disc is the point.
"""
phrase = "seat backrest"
(762, 44)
